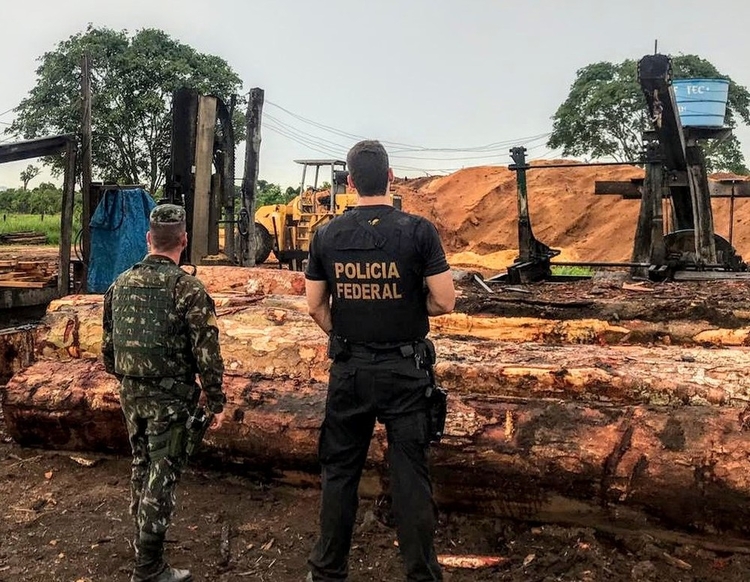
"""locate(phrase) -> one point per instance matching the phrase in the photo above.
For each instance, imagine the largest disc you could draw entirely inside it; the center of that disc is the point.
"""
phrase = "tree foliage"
(46, 198)
(28, 175)
(133, 78)
(270, 193)
(605, 113)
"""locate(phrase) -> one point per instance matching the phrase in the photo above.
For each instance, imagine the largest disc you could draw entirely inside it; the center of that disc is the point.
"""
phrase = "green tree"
(28, 175)
(133, 78)
(270, 193)
(45, 199)
(605, 113)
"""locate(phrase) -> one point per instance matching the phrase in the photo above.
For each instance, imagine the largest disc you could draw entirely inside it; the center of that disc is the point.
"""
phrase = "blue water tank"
(701, 102)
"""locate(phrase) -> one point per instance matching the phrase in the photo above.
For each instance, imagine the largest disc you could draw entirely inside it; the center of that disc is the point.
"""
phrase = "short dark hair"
(166, 236)
(368, 167)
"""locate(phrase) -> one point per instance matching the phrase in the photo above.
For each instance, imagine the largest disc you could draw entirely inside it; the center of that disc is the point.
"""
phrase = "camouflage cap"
(167, 214)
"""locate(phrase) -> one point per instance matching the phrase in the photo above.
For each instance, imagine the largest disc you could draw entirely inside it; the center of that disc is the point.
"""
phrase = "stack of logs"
(23, 238)
(27, 274)
(568, 420)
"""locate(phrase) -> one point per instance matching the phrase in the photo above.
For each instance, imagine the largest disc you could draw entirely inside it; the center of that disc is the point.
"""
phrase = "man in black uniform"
(374, 276)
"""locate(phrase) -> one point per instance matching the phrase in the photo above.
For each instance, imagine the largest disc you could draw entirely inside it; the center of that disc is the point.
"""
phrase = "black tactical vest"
(376, 277)
(150, 338)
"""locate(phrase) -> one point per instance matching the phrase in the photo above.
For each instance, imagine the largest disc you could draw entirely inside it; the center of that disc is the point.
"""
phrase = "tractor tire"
(263, 243)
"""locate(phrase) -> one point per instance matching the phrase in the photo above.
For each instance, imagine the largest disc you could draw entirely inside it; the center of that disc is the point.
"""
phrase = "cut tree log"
(586, 433)
(17, 350)
(273, 337)
(529, 458)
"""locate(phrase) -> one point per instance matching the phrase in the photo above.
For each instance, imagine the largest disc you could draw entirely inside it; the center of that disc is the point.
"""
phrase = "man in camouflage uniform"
(159, 330)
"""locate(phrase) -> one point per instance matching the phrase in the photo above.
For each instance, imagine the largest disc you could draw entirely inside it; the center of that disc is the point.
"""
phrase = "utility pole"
(85, 164)
(250, 180)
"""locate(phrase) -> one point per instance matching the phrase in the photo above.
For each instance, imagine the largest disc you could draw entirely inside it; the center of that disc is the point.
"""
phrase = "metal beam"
(632, 189)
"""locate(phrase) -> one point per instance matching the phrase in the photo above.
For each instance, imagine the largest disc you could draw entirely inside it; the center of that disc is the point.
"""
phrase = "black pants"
(391, 389)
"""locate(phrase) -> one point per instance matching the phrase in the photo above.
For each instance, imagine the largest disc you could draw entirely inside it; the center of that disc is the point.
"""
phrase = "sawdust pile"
(475, 211)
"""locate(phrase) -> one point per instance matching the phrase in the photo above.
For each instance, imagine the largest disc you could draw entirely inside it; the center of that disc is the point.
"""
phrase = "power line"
(403, 147)
(8, 111)
(328, 147)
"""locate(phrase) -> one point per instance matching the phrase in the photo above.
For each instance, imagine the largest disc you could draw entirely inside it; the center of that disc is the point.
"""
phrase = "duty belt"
(405, 350)
(341, 349)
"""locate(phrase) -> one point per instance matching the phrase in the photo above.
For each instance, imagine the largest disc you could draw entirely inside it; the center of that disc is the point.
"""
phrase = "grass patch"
(49, 225)
(570, 271)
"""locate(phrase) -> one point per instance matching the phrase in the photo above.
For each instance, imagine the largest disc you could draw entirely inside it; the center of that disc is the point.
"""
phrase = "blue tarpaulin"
(118, 235)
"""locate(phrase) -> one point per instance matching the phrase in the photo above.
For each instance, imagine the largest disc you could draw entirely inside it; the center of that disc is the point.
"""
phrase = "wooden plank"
(632, 189)
(710, 275)
(66, 218)
(25, 284)
(20, 276)
(86, 163)
(250, 179)
(35, 148)
(204, 149)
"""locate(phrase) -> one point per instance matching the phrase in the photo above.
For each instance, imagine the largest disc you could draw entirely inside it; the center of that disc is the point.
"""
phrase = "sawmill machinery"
(686, 245)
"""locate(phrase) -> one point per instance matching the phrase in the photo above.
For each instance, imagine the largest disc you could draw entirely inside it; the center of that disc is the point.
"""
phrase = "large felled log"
(72, 326)
(273, 337)
(535, 458)
(537, 430)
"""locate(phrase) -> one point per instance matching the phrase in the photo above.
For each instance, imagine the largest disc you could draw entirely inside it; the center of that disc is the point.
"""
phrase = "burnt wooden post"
(703, 221)
(250, 180)
(179, 187)
(214, 213)
(643, 230)
(66, 218)
(227, 174)
(86, 171)
(648, 245)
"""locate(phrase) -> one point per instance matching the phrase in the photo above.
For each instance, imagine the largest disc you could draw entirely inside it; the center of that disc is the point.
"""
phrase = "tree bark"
(530, 458)
(587, 432)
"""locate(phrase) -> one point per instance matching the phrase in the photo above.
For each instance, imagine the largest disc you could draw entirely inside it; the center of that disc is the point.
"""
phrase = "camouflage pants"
(152, 417)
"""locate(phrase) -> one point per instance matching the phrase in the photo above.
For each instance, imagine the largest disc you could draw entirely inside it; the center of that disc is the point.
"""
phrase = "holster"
(338, 349)
(196, 427)
(437, 397)
(170, 443)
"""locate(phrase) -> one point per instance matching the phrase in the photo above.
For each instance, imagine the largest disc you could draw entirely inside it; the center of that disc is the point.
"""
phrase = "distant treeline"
(46, 198)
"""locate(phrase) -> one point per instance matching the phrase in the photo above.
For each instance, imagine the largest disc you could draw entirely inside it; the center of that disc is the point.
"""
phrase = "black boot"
(173, 575)
(149, 557)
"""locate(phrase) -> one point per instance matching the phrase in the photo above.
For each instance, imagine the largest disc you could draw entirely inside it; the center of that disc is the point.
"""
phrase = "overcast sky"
(430, 73)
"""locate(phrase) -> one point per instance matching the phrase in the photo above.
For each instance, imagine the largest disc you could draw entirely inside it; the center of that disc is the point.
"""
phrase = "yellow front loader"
(286, 229)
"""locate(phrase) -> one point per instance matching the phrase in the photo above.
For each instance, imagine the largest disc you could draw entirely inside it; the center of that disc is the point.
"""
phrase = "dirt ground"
(65, 521)
(475, 211)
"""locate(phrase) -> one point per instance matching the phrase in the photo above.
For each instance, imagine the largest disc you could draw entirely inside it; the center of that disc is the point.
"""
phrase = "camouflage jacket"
(196, 308)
